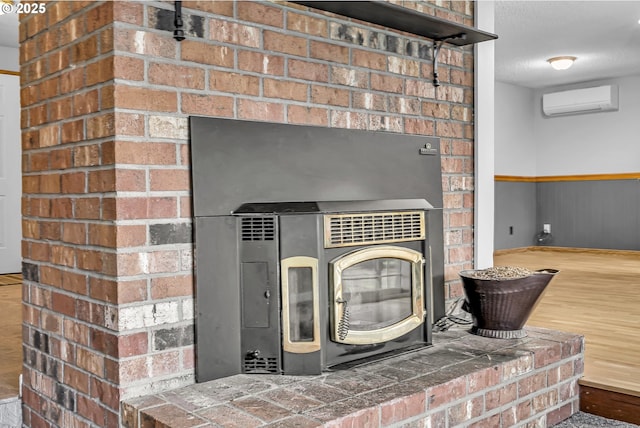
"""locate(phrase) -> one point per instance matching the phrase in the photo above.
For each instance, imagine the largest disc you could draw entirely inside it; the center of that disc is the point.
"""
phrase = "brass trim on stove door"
(417, 317)
(288, 343)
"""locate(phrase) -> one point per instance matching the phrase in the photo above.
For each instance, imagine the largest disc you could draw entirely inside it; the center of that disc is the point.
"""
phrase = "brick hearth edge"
(461, 380)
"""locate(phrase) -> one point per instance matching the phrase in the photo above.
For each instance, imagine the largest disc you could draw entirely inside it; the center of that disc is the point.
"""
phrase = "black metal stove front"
(329, 283)
(301, 287)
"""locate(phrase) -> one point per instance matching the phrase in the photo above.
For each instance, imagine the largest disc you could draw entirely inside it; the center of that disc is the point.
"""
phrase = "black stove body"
(294, 287)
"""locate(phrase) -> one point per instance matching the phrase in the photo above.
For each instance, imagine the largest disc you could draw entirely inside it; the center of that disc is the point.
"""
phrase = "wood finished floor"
(10, 334)
(596, 294)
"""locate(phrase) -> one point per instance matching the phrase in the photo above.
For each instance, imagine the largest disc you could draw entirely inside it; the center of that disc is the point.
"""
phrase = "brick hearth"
(461, 380)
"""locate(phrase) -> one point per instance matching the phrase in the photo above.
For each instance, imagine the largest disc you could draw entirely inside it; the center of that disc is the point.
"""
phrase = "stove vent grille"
(261, 365)
(258, 229)
(344, 230)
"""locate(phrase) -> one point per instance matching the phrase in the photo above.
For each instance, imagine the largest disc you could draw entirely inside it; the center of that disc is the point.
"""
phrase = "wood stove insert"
(296, 287)
(309, 303)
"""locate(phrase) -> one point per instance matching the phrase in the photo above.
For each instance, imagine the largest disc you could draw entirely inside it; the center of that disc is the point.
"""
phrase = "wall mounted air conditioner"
(587, 100)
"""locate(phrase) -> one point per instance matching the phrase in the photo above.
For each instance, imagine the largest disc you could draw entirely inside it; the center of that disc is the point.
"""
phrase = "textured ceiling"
(604, 35)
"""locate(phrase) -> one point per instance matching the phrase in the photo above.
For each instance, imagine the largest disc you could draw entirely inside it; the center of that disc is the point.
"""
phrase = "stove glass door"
(377, 294)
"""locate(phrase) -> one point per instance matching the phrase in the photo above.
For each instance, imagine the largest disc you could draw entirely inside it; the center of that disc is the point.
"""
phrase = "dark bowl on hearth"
(501, 307)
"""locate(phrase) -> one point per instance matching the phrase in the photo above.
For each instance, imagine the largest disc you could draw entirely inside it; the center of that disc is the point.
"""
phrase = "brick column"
(69, 231)
(106, 96)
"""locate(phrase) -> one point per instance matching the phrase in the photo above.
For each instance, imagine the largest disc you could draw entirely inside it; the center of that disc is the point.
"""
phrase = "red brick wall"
(69, 229)
(106, 93)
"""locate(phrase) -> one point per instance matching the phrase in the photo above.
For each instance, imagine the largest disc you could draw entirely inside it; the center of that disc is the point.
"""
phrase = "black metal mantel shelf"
(400, 18)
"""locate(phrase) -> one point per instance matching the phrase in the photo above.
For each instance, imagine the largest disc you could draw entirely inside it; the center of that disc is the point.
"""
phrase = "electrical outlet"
(510, 230)
(546, 228)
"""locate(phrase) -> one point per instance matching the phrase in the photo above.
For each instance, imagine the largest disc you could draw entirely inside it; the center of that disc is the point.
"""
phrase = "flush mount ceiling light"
(561, 62)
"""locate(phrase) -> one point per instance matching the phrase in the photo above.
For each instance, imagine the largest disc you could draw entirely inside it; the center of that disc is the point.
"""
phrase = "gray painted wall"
(515, 207)
(593, 143)
(591, 214)
(9, 58)
(584, 214)
(515, 142)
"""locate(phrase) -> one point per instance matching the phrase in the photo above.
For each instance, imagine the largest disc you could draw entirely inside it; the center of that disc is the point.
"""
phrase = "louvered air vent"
(260, 365)
(344, 230)
(258, 229)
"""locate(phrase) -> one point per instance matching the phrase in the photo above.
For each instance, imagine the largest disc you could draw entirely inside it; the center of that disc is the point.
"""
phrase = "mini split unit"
(587, 100)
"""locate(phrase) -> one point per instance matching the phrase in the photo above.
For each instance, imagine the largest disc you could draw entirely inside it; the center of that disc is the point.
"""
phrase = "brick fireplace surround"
(106, 93)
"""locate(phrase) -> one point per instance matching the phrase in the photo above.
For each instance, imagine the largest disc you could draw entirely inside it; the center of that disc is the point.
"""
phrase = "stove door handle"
(343, 324)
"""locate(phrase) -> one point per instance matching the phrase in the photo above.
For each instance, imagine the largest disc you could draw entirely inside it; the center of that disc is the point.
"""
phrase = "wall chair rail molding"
(10, 73)
(581, 177)
(515, 178)
(400, 18)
